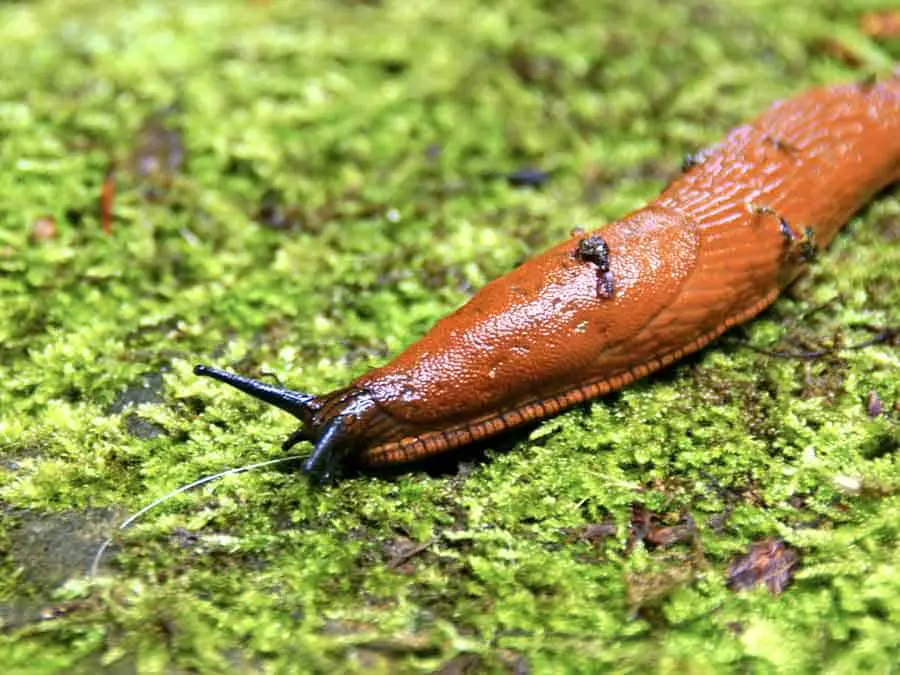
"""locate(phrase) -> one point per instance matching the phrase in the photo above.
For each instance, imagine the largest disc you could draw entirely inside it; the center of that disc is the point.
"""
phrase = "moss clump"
(304, 190)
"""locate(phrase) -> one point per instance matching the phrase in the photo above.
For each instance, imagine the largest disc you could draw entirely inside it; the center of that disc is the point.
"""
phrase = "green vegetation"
(369, 131)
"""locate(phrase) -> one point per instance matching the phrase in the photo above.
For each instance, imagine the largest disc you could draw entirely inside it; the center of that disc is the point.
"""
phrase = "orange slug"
(605, 308)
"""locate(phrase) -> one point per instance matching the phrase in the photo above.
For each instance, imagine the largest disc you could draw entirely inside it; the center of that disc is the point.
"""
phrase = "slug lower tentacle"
(607, 307)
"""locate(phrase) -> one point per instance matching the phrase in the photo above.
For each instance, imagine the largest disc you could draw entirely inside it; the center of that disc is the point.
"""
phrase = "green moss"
(373, 127)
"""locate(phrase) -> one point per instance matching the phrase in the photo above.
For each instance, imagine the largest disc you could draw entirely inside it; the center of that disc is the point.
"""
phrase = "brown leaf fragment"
(647, 526)
(666, 536)
(770, 562)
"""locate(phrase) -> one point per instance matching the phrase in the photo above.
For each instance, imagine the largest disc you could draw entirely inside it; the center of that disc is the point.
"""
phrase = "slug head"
(333, 423)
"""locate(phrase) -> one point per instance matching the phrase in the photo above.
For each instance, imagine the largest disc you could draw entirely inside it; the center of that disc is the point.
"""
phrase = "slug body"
(602, 309)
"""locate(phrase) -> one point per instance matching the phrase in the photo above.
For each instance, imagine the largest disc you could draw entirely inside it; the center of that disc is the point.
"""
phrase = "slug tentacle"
(325, 455)
(298, 404)
(298, 436)
(337, 423)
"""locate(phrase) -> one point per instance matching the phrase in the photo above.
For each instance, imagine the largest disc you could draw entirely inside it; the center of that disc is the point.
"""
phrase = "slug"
(607, 307)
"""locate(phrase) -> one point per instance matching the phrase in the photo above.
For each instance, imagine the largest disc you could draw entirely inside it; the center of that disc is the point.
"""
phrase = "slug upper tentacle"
(578, 321)
(302, 406)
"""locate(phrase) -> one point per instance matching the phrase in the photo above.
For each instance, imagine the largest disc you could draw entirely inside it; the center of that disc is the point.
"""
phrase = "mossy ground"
(374, 128)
